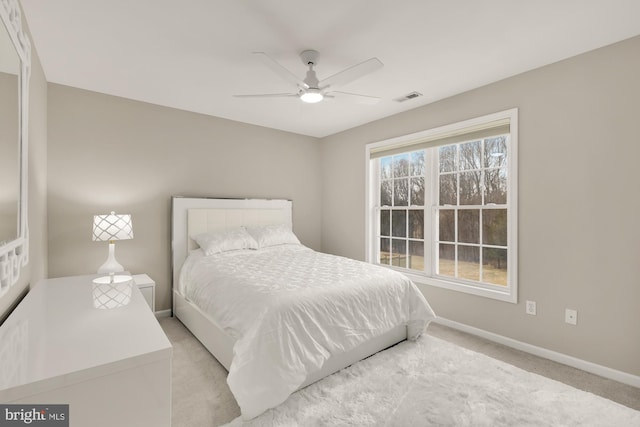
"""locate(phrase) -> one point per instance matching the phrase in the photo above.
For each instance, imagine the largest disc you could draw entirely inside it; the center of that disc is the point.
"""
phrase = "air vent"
(408, 96)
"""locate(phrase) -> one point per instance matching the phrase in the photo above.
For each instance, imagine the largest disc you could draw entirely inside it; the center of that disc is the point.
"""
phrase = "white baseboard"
(603, 371)
(163, 313)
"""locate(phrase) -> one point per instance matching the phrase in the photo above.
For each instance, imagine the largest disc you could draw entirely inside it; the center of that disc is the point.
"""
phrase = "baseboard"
(603, 371)
(163, 313)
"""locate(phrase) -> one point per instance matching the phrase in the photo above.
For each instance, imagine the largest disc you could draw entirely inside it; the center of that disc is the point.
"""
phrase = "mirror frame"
(14, 254)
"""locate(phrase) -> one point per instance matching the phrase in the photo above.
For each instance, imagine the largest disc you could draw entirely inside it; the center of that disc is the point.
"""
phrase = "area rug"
(432, 382)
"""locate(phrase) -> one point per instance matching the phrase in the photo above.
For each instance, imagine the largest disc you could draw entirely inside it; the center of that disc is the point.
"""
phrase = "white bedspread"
(290, 308)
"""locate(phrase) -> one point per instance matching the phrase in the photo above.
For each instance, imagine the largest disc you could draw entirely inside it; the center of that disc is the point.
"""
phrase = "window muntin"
(452, 207)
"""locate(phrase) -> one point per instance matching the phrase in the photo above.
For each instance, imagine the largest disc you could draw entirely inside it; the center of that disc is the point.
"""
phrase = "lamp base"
(111, 265)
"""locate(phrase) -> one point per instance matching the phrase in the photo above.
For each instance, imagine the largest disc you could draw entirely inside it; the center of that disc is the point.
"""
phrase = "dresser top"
(57, 336)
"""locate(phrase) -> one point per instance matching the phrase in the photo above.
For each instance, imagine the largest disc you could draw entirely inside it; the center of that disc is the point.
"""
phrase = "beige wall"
(578, 207)
(36, 269)
(108, 153)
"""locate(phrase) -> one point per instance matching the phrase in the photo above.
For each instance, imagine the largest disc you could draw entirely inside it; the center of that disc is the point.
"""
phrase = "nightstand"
(148, 289)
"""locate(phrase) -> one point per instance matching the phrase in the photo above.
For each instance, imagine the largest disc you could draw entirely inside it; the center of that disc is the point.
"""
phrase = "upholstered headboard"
(191, 216)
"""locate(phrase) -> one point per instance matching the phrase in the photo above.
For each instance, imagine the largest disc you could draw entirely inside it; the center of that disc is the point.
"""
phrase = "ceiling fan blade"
(360, 99)
(280, 70)
(352, 73)
(267, 95)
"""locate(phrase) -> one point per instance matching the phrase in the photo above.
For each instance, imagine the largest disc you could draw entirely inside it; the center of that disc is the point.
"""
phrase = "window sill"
(506, 295)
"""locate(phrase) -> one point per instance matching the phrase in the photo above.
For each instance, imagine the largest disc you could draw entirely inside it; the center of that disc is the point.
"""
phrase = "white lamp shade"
(112, 227)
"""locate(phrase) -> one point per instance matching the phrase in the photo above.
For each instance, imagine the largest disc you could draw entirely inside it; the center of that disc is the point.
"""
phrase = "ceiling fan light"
(311, 96)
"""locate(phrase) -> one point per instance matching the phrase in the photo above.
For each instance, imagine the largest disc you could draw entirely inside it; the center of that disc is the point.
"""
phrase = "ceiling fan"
(312, 90)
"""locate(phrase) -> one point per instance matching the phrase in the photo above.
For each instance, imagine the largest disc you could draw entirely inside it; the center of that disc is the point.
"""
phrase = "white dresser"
(112, 366)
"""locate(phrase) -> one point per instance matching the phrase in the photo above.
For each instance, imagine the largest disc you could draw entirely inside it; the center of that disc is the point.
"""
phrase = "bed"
(276, 314)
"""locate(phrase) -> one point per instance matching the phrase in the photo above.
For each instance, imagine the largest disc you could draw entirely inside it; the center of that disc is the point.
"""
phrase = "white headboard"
(191, 216)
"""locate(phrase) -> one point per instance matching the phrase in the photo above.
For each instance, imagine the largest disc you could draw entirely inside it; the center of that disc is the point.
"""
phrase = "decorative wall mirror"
(15, 64)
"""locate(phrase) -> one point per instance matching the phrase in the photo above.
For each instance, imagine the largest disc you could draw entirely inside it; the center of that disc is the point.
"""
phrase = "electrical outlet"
(531, 308)
(571, 316)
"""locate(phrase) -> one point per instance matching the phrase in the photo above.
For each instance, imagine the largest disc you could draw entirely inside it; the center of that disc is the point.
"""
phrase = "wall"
(36, 269)
(578, 203)
(108, 153)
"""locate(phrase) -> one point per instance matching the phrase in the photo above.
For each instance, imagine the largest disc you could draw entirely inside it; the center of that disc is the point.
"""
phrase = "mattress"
(290, 308)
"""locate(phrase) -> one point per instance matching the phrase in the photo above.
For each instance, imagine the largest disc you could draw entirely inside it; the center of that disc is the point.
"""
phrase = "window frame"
(507, 293)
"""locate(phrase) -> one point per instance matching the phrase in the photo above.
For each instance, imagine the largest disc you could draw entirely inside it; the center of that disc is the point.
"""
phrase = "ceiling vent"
(408, 96)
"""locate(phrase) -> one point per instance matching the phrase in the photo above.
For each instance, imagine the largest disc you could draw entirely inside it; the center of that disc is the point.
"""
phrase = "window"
(442, 205)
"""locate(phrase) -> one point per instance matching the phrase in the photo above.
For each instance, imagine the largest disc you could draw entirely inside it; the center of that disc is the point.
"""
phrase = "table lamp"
(112, 227)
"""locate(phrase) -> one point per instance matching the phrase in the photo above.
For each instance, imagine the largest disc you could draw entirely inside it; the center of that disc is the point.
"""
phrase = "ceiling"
(195, 55)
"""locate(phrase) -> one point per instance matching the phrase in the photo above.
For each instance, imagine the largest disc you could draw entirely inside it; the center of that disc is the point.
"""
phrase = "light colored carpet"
(201, 396)
(432, 382)
(199, 391)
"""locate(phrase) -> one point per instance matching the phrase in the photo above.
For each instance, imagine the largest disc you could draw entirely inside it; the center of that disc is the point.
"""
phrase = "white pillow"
(272, 235)
(228, 240)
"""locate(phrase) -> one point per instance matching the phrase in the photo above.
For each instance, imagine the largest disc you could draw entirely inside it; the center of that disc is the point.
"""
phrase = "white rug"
(432, 382)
